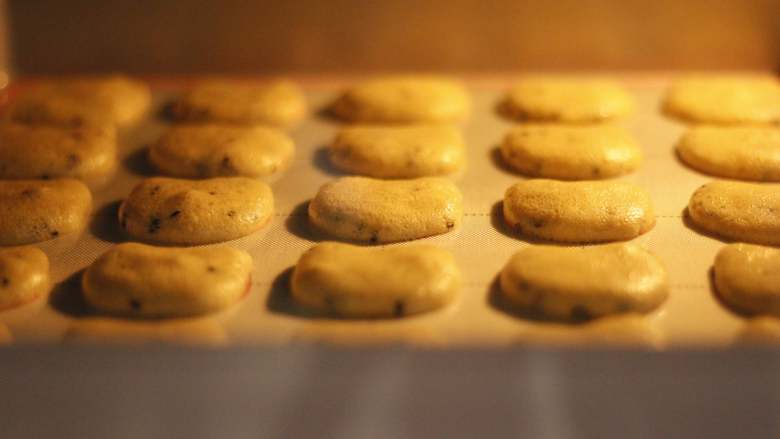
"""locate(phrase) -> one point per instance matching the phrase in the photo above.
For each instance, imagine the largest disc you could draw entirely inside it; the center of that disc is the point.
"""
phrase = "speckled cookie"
(404, 99)
(210, 150)
(82, 101)
(352, 281)
(145, 281)
(571, 152)
(581, 283)
(24, 276)
(35, 151)
(725, 99)
(558, 99)
(39, 210)
(278, 103)
(581, 211)
(742, 153)
(747, 278)
(190, 212)
(369, 210)
(204, 331)
(748, 212)
(399, 151)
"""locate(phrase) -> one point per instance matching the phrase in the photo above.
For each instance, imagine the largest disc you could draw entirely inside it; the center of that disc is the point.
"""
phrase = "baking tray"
(691, 316)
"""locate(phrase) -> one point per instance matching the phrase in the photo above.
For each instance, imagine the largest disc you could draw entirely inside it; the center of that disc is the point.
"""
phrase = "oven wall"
(338, 36)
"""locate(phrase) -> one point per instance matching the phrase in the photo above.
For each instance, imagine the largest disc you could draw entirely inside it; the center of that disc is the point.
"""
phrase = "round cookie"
(399, 151)
(747, 278)
(743, 153)
(571, 152)
(559, 99)
(748, 212)
(190, 212)
(75, 102)
(581, 283)
(404, 99)
(144, 281)
(38, 210)
(724, 99)
(376, 211)
(278, 103)
(38, 151)
(350, 281)
(580, 211)
(211, 150)
(24, 276)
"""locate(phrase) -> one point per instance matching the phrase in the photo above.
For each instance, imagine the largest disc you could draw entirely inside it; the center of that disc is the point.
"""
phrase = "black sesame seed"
(135, 304)
(450, 224)
(4, 281)
(154, 224)
(174, 214)
(399, 309)
(55, 233)
(231, 213)
(580, 313)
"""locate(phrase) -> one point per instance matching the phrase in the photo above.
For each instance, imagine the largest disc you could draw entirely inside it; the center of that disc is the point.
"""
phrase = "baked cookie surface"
(404, 99)
(365, 282)
(74, 102)
(725, 99)
(210, 150)
(279, 103)
(36, 151)
(743, 153)
(144, 281)
(581, 283)
(399, 151)
(747, 278)
(747, 212)
(190, 212)
(557, 99)
(38, 210)
(24, 276)
(571, 152)
(581, 211)
(370, 210)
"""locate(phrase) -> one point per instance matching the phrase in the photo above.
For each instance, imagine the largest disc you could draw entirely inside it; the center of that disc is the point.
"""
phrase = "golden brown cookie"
(279, 103)
(580, 211)
(747, 278)
(725, 99)
(190, 212)
(39, 210)
(37, 151)
(76, 102)
(369, 210)
(211, 150)
(559, 99)
(353, 281)
(404, 99)
(571, 152)
(24, 276)
(748, 212)
(399, 151)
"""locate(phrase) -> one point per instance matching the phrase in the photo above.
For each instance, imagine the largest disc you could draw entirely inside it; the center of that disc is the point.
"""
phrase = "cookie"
(743, 153)
(210, 150)
(39, 210)
(189, 332)
(24, 276)
(580, 211)
(724, 99)
(190, 212)
(582, 283)
(748, 212)
(747, 278)
(571, 152)
(760, 331)
(144, 281)
(369, 210)
(399, 152)
(365, 282)
(279, 103)
(37, 151)
(404, 99)
(557, 99)
(76, 102)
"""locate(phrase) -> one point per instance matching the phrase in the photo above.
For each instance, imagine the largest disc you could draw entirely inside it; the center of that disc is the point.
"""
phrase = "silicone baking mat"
(692, 314)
